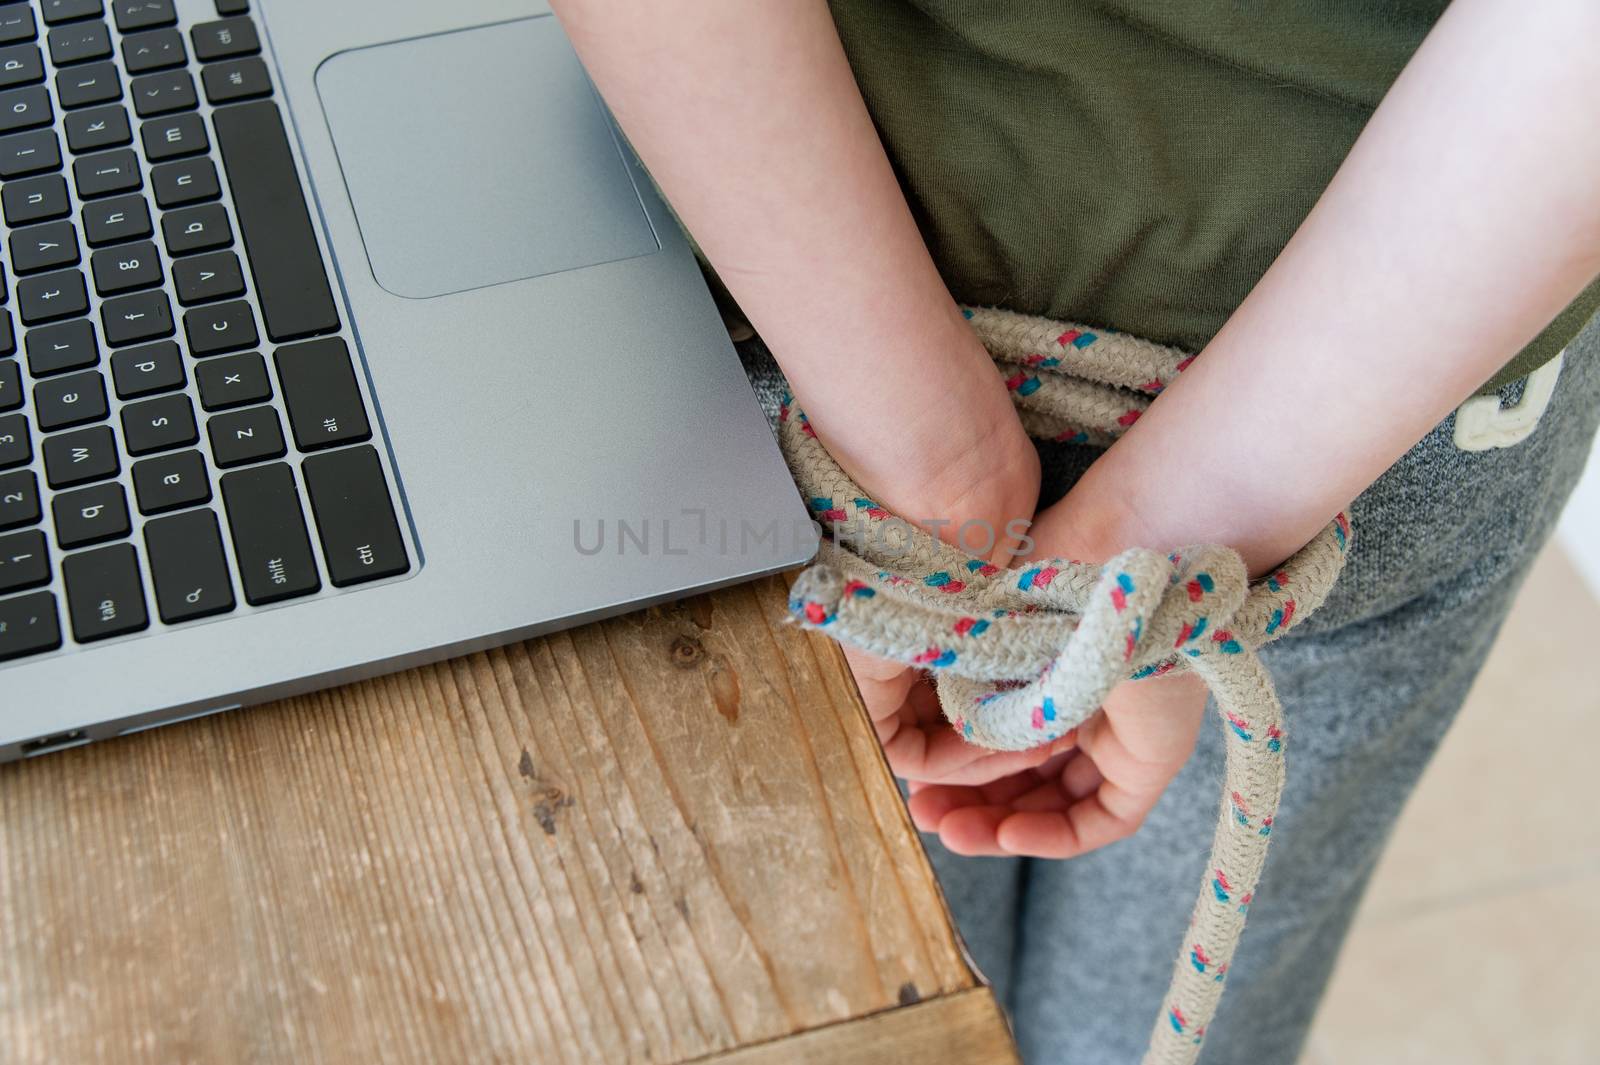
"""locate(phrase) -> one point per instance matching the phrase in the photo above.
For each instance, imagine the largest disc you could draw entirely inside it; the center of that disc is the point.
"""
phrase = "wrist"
(1089, 525)
(936, 440)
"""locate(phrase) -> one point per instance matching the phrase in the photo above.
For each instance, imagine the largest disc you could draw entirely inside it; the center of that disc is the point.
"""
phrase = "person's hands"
(1098, 791)
(1080, 799)
(918, 742)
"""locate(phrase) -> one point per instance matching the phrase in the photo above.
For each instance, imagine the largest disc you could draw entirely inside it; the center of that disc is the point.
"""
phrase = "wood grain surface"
(656, 838)
(965, 1027)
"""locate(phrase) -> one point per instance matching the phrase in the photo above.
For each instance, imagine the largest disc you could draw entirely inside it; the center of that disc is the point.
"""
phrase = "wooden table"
(666, 837)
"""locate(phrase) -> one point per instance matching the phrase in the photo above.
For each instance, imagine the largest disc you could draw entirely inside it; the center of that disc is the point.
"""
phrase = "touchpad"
(478, 157)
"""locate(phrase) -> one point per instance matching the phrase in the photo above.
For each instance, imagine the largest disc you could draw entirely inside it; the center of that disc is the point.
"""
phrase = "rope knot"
(1022, 655)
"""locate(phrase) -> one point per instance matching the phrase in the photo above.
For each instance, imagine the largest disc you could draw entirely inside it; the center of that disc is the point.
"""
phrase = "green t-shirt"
(1132, 164)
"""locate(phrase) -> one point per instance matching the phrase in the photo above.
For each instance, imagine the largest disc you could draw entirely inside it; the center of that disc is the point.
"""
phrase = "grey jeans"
(1080, 951)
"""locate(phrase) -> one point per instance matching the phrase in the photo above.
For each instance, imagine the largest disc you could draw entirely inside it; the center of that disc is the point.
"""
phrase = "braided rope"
(1020, 656)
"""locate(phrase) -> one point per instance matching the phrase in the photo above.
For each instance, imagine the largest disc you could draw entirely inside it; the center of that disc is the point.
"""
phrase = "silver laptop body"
(554, 415)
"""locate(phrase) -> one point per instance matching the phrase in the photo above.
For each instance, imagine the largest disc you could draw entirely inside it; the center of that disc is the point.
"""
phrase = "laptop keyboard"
(183, 433)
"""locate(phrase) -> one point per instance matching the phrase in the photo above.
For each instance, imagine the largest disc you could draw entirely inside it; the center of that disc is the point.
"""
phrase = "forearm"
(1464, 219)
(749, 119)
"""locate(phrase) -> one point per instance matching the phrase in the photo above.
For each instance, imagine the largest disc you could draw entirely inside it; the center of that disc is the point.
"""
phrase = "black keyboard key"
(85, 86)
(21, 64)
(78, 458)
(236, 79)
(62, 402)
(232, 7)
(232, 381)
(35, 199)
(171, 482)
(186, 182)
(243, 436)
(79, 43)
(29, 624)
(44, 247)
(147, 369)
(91, 515)
(10, 386)
(174, 136)
(114, 221)
(16, 445)
(319, 388)
(19, 499)
(29, 153)
(47, 297)
(61, 347)
(355, 518)
(217, 328)
(8, 339)
(106, 173)
(142, 316)
(269, 534)
(24, 561)
(227, 37)
(285, 260)
(25, 109)
(126, 267)
(105, 594)
(58, 11)
(196, 229)
(159, 425)
(133, 15)
(161, 94)
(188, 567)
(16, 24)
(100, 127)
(154, 50)
(207, 277)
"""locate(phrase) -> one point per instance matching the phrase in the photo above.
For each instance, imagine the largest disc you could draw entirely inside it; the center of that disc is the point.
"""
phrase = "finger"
(947, 758)
(1039, 834)
(930, 802)
(972, 831)
(1006, 791)
(883, 684)
(1080, 778)
(987, 767)
(922, 702)
(1047, 796)
(1086, 825)
(906, 752)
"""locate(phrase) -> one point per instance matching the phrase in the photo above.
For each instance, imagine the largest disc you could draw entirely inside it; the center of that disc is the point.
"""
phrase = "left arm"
(1465, 218)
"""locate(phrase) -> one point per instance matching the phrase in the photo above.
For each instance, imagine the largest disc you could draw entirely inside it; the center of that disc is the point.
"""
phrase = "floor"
(1479, 943)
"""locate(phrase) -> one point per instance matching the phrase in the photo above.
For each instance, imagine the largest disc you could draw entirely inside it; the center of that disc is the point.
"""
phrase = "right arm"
(750, 120)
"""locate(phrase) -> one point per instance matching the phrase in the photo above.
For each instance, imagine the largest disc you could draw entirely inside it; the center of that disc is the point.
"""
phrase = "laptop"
(336, 338)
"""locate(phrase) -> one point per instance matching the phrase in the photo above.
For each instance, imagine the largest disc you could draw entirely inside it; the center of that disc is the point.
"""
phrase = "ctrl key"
(360, 537)
(105, 596)
(28, 625)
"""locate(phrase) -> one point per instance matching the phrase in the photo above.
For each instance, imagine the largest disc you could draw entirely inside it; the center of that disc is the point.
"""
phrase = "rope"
(1020, 656)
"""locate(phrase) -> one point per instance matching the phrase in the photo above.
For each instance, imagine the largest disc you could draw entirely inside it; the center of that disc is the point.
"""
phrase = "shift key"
(269, 534)
(360, 538)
